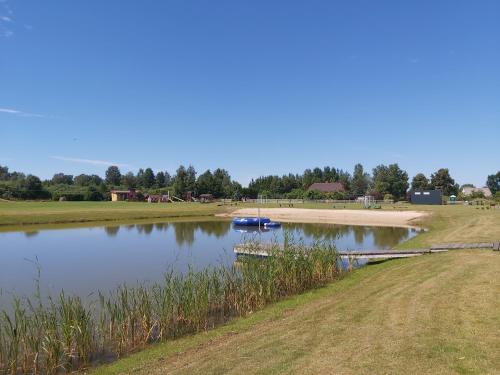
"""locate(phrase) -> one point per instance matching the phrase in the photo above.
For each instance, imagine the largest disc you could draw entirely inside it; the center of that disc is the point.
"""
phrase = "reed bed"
(64, 334)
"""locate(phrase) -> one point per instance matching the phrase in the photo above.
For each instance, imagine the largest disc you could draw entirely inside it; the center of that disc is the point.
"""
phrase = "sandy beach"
(347, 217)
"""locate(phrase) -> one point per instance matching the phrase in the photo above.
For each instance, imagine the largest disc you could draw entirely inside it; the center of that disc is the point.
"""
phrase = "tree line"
(384, 182)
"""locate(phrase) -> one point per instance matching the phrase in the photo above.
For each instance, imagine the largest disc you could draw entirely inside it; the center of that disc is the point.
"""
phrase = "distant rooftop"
(469, 190)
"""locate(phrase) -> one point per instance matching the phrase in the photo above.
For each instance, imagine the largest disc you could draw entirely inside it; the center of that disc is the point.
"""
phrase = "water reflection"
(382, 237)
(144, 251)
(184, 230)
(32, 233)
(112, 231)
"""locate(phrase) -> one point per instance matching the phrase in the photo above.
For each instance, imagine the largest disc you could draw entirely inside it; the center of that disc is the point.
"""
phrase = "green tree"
(61, 178)
(420, 182)
(191, 179)
(87, 180)
(113, 176)
(33, 189)
(148, 180)
(129, 180)
(390, 180)
(32, 183)
(140, 177)
(442, 179)
(236, 191)
(180, 180)
(222, 183)
(493, 182)
(345, 179)
(160, 179)
(360, 181)
(168, 179)
(205, 183)
(4, 173)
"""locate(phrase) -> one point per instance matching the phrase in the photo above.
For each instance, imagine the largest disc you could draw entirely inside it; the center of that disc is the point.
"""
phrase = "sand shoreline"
(346, 217)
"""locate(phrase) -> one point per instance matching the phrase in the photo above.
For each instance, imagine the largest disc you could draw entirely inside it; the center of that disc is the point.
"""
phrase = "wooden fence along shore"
(265, 250)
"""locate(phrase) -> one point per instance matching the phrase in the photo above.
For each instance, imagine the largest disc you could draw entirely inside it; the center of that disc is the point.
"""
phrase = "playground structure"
(163, 198)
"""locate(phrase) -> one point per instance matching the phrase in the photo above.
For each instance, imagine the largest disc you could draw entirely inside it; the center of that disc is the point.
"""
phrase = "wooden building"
(123, 195)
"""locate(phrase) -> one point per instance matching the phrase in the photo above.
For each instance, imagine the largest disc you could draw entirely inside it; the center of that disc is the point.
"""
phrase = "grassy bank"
(456, 224)
(65, 333)
(29, 213)
(434, 314)
(443, 223)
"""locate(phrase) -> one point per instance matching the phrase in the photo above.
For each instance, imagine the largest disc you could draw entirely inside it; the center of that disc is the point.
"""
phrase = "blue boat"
(251, 221)
(273, 224)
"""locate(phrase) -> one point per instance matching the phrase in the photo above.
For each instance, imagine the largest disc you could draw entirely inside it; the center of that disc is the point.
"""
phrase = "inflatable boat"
(251, 221)
(273, 224)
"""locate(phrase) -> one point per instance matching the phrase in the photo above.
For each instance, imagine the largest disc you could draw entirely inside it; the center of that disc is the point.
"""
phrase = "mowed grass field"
(28, 213)
(444, 223)
(437, 314)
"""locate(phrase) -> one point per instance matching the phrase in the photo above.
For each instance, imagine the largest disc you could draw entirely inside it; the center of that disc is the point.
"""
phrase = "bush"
(338, 195)
(75, 192)
(314, 195)
(388, 197)
(296, 194)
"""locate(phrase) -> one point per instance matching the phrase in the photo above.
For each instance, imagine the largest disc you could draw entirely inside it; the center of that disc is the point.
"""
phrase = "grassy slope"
(457, 224)
(26, 213)
(434, 314)
(437, 314)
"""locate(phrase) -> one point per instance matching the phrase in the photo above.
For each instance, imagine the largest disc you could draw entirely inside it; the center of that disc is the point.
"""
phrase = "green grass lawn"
(28, 213)
(435, 314)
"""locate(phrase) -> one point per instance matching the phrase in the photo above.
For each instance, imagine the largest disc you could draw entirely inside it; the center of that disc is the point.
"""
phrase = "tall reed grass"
(64, 334)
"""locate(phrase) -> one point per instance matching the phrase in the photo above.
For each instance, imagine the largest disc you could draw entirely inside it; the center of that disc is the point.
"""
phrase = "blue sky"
(256, 87)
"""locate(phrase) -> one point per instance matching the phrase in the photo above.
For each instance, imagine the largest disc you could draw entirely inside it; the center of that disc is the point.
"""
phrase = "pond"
(84, 260)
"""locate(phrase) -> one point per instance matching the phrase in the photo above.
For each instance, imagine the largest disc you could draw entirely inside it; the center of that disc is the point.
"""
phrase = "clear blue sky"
(256, 87)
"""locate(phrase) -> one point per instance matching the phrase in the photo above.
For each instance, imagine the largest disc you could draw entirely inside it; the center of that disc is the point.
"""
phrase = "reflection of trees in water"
(360, 233)
(184, 231)
(32, 233)
(383, 237)
(319, 232)
(161, 227)
(145, 228)
(388, 237)
(112, 231)
(215, 228)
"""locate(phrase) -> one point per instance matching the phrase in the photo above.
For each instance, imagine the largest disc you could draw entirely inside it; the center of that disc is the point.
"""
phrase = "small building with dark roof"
(426, 197)
(327, 187)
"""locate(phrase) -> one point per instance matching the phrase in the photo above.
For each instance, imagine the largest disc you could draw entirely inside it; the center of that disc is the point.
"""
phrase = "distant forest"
(384, 182)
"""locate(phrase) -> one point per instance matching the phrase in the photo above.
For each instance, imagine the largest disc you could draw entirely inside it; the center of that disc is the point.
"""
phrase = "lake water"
(84, 260)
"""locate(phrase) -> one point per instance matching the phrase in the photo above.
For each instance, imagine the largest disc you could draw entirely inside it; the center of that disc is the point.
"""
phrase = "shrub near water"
(64, 334)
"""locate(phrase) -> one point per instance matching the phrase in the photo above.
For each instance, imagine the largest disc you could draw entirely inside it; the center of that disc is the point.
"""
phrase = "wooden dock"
(265, 250)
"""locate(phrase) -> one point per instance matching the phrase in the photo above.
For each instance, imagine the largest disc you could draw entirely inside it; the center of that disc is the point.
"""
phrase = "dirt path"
(348, 217)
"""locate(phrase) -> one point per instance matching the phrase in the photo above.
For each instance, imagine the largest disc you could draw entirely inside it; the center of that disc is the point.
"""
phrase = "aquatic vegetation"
(64, 334)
